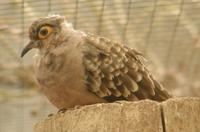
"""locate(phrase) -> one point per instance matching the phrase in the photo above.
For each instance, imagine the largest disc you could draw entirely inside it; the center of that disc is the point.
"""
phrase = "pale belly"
(70, 97)
(63, 84)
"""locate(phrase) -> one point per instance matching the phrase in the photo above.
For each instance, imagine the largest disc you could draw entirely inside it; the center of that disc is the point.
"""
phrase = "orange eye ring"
(44, 32)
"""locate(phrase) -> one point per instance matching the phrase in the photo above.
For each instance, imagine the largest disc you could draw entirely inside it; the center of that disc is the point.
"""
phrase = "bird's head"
(47, 33)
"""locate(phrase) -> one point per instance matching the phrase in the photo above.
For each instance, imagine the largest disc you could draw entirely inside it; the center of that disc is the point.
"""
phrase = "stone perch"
(174, 115)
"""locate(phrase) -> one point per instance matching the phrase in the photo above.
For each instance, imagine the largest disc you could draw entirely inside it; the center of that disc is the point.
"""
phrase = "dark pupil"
(44, 32)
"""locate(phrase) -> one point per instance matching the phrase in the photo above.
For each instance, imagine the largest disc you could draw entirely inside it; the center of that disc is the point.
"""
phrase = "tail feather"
(160, 93)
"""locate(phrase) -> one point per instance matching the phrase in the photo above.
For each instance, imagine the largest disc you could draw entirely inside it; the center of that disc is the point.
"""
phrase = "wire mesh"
(165, 31)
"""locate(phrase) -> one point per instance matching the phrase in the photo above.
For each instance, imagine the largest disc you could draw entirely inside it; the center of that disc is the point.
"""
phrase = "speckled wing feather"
(116, 72)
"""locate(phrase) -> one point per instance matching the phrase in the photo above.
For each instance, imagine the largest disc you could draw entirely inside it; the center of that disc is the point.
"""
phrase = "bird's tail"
(160, 93)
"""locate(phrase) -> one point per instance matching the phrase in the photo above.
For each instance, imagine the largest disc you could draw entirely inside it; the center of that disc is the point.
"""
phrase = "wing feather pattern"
(114, 71)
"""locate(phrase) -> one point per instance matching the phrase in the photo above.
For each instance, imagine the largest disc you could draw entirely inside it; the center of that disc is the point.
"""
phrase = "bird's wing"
(114, 71)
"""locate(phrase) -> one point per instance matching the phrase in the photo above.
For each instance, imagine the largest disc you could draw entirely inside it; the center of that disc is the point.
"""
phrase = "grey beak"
(28, 47)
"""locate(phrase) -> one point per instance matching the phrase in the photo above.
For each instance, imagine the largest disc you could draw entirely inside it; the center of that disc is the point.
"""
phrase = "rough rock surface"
(182, 115)
(174, 115)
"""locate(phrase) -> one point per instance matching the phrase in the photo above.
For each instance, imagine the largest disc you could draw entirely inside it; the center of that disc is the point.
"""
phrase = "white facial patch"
(68, 25)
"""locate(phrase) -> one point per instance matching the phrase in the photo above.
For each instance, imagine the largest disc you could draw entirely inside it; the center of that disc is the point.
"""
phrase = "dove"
(75, 68)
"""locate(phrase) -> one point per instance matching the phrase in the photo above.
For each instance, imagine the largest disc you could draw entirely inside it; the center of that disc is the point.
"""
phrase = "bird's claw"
(50, 115)
(62, 110)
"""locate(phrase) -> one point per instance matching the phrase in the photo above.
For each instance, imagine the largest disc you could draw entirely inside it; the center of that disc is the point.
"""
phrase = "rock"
(174, 115)
(182, 115)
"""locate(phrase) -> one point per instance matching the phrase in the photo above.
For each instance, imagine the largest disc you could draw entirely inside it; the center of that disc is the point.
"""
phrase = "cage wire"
(165, 31)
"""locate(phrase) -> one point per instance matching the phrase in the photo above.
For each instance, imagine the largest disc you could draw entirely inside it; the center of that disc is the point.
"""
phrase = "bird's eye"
(44, 32)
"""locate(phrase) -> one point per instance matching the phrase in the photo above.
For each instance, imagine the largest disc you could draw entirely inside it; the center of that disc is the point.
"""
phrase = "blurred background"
(167, 32)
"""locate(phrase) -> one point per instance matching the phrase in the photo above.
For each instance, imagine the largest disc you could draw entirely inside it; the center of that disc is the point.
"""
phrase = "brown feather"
(94, 83)
(109, 84)
(122, 72)
(148, 84)
(105, 90)
(124, 91)
(135, 75)
(132, 97)
(115, 92)
(117, 81)
(101, 94)
(128, 82)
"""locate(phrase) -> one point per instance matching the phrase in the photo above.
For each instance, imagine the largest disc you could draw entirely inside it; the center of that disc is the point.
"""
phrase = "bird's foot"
(63, 110)
(50, 115)
(76, 107)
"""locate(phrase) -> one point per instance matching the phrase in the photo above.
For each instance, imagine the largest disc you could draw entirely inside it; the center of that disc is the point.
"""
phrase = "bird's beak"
(28, 47)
